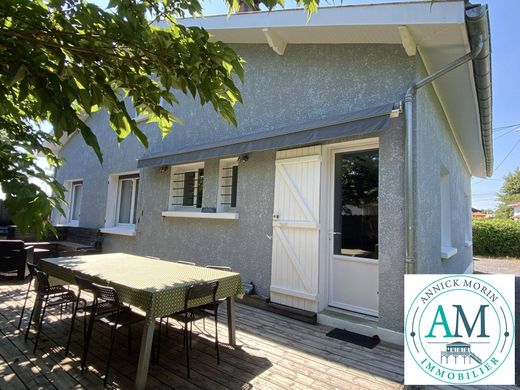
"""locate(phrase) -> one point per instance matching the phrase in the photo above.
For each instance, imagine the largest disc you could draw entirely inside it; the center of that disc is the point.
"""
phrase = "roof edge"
(477, 21)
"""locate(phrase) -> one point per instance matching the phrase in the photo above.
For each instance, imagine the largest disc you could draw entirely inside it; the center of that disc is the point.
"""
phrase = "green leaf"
(16, 75)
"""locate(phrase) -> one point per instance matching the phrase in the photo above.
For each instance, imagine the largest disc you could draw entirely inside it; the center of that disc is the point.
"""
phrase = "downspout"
(409, 100)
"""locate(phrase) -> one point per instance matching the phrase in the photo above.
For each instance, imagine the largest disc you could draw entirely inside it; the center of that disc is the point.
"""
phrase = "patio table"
(157, 287)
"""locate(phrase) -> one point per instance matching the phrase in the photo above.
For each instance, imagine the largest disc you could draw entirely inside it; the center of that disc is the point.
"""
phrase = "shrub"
(496, 237)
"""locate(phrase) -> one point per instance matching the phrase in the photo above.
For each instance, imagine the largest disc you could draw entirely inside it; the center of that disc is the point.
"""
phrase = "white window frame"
(447, 249)
(66, 220)
(176, 189)
(225, 180)
(112, 225)
(73, 188)
(133, 204)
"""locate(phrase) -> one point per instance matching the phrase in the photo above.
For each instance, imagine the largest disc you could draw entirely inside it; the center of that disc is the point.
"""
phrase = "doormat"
(354, 338)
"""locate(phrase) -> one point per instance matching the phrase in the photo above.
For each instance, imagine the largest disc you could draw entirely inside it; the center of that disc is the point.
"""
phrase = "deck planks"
(274, 352)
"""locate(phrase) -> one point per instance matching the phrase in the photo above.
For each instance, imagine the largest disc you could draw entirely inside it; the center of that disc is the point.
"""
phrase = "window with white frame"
(76, 191)
(228, 184)
(121, 214)
(186, 186)
(127, 189)
(447, 249)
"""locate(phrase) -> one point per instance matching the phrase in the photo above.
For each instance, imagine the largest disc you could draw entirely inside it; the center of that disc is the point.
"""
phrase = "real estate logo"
(459, 329)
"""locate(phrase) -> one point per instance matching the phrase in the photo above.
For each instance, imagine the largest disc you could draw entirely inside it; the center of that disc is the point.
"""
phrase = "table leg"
(231, 320)
(144, 354)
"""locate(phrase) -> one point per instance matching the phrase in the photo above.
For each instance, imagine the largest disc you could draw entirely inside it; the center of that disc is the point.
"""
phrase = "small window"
(127, 190)
(76, 191)
(228, 184)
(445, 209)
(447, 249)
(187, 185)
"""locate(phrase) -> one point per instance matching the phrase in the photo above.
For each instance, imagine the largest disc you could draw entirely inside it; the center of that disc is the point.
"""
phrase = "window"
(447, 250)
(187, 184)
(128, 187)
(121, 215)
(356, 204)
(228, 183)
(76, 190)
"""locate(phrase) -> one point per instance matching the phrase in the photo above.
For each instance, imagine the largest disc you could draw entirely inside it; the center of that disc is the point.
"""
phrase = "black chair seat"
(121, 319)
(63, 298)
(194, 314)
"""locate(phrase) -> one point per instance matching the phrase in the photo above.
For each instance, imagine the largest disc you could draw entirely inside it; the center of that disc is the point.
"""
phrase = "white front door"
(354, 270)
(296, 229)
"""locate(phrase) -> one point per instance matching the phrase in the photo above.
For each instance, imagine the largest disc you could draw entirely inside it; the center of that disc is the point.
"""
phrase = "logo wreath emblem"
(459, 329)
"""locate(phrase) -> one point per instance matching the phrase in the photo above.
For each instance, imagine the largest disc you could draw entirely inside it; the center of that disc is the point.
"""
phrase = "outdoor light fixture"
(163, 169)
(243, 158)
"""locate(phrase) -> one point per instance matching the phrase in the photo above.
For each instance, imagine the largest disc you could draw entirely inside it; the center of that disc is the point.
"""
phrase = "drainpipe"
(409, 100)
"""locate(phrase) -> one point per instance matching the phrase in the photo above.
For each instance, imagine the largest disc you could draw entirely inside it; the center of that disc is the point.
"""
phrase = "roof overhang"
(436, 30)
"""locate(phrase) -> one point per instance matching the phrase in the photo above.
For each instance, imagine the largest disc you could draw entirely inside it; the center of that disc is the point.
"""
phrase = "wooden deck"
(274, 353)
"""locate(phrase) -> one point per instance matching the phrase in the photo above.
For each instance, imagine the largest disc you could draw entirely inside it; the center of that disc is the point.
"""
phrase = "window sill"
(72, 223)
(118, 230)
(198, 214)
(447, 252)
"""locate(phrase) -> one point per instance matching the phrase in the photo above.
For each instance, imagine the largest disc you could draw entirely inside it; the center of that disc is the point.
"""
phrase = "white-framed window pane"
(187, 186)
(77, 190)
(125, 201)
(136, 191)
(445, 208)
(228, 184)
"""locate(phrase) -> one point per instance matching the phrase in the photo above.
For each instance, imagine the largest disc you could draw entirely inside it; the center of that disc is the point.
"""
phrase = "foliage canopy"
(510, 193)
(62, 60)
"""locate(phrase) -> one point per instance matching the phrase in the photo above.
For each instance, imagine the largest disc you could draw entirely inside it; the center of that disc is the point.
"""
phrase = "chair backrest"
(186, 262)
(220, 267)
(105, 293)
(83, 284)
(43, 286)
(201, 290)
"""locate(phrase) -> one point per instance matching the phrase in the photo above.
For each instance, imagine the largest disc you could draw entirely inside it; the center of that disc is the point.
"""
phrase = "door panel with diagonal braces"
(296, 231)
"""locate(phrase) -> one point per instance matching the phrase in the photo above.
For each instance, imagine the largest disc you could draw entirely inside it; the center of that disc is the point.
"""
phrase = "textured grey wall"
(392, 228)
(435, 147)
(278, 90)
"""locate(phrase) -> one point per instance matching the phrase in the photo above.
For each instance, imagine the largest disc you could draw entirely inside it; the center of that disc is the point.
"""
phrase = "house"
(481, 214)
(329, 190)
(516, 210)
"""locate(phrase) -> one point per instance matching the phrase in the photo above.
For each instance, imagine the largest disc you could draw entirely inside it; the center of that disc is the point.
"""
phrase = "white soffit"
(457, 94)
(437, 29)
(373, 23)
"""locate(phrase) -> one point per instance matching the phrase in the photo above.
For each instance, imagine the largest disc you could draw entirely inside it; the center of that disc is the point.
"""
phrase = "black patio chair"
(54, 290)
(123, 316)
(210, 307)
(13, 257)
(85, 285)
(191, 313)
(48, 296)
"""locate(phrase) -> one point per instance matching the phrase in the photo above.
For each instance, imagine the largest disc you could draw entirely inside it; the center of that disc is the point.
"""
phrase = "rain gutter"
(409, 100)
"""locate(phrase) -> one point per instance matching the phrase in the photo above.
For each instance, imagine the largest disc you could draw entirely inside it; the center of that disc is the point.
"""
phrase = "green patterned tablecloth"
(156, 286)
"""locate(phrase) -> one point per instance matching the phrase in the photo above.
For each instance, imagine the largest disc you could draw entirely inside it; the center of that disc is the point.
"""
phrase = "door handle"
(334, 233)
